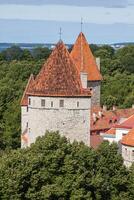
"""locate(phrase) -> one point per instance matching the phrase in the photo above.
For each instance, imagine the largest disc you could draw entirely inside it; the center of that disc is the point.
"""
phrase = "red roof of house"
(24, 100)
(111, 131)
(84, 59)
(128, 123)
(129, 138)
(109, 118)
(59, 76)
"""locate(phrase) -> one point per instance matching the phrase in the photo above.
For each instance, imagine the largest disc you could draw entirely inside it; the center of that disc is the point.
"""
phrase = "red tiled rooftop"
(84, 59)
(109, 118)
(128, 123)
(59, 76)
(128, 139)
(111, 131)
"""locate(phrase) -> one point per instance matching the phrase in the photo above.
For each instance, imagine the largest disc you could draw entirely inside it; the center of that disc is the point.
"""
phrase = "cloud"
(67, 13)
(97, 3)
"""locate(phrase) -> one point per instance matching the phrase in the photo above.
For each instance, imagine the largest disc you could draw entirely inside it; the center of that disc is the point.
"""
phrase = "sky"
(39, 21)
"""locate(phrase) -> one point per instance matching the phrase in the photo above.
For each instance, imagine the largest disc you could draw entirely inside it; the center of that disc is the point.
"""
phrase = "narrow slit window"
(43, 102)
(133, 154)
(27, 108)
(61, 103)
(29, 101)
(78, 104)
(52, 104)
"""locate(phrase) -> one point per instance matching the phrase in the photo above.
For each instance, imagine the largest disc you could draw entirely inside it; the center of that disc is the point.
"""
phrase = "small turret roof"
(58, 76)
(84, 59)
(24, 100)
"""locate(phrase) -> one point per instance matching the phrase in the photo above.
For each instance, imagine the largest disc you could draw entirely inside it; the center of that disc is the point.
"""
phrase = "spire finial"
(60, 33)
(81, 24)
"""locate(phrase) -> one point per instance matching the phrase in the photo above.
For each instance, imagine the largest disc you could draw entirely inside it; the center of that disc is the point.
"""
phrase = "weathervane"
(60, 33)
(81, 24)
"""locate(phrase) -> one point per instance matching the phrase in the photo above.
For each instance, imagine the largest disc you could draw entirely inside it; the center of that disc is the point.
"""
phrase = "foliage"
(16, 53)
(13, 79)
(52, 168)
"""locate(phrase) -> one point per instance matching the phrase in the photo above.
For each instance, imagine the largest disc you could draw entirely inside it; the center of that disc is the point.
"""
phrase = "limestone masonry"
(59, 97)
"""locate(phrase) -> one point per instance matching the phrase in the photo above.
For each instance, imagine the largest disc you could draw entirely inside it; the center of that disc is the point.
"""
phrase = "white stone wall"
(72, 121)
(24, 118)
(128, 155)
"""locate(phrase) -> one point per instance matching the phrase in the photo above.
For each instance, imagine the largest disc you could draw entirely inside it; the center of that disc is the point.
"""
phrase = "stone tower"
(85, 62)
(56, 100)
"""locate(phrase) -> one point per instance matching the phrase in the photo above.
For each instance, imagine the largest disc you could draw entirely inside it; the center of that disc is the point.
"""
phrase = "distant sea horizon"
(30, 46)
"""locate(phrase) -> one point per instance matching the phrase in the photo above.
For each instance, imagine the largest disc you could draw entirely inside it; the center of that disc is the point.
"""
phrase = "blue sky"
(105, 21)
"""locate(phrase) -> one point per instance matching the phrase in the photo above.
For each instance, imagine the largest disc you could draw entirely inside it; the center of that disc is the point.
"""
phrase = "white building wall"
(24, 118)
(111, 138)
(128, 155)
(120, 132)
(72, 121)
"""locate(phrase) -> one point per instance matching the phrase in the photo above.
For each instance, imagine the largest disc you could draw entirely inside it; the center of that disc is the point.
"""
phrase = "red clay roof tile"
(59, 76)
(128, 123)
(109, 118)
(84, 59)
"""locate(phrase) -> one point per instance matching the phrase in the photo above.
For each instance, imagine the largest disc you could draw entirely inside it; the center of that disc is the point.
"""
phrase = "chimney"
(114, 108)
(83, 76)
(98, 62)
(100, 113)
(94, 117)
(104, 107)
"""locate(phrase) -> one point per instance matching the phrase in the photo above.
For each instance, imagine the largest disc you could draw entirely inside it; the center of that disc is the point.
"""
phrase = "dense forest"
(54, 169)
(16, 65)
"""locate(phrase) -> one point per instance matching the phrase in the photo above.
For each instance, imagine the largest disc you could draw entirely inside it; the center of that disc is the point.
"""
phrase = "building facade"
(128, 148)
(57, 99)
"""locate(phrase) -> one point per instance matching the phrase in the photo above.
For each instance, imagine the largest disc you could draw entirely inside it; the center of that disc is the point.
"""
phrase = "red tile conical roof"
(84, 59)
(58, 76)
(24, 100)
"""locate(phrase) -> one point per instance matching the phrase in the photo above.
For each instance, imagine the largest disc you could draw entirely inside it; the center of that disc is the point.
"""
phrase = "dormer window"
(43, 102)
(61, 103)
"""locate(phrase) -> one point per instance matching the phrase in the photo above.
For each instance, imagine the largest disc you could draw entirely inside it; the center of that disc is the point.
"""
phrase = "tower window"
(29, 101)
(43, 102)
(51, 104)
(78, 104)
(61, 103)
(27, 108)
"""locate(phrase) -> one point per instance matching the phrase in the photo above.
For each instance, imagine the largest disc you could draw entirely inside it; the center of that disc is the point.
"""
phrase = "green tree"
(52, 168)
(41, 53)
(13, 53)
